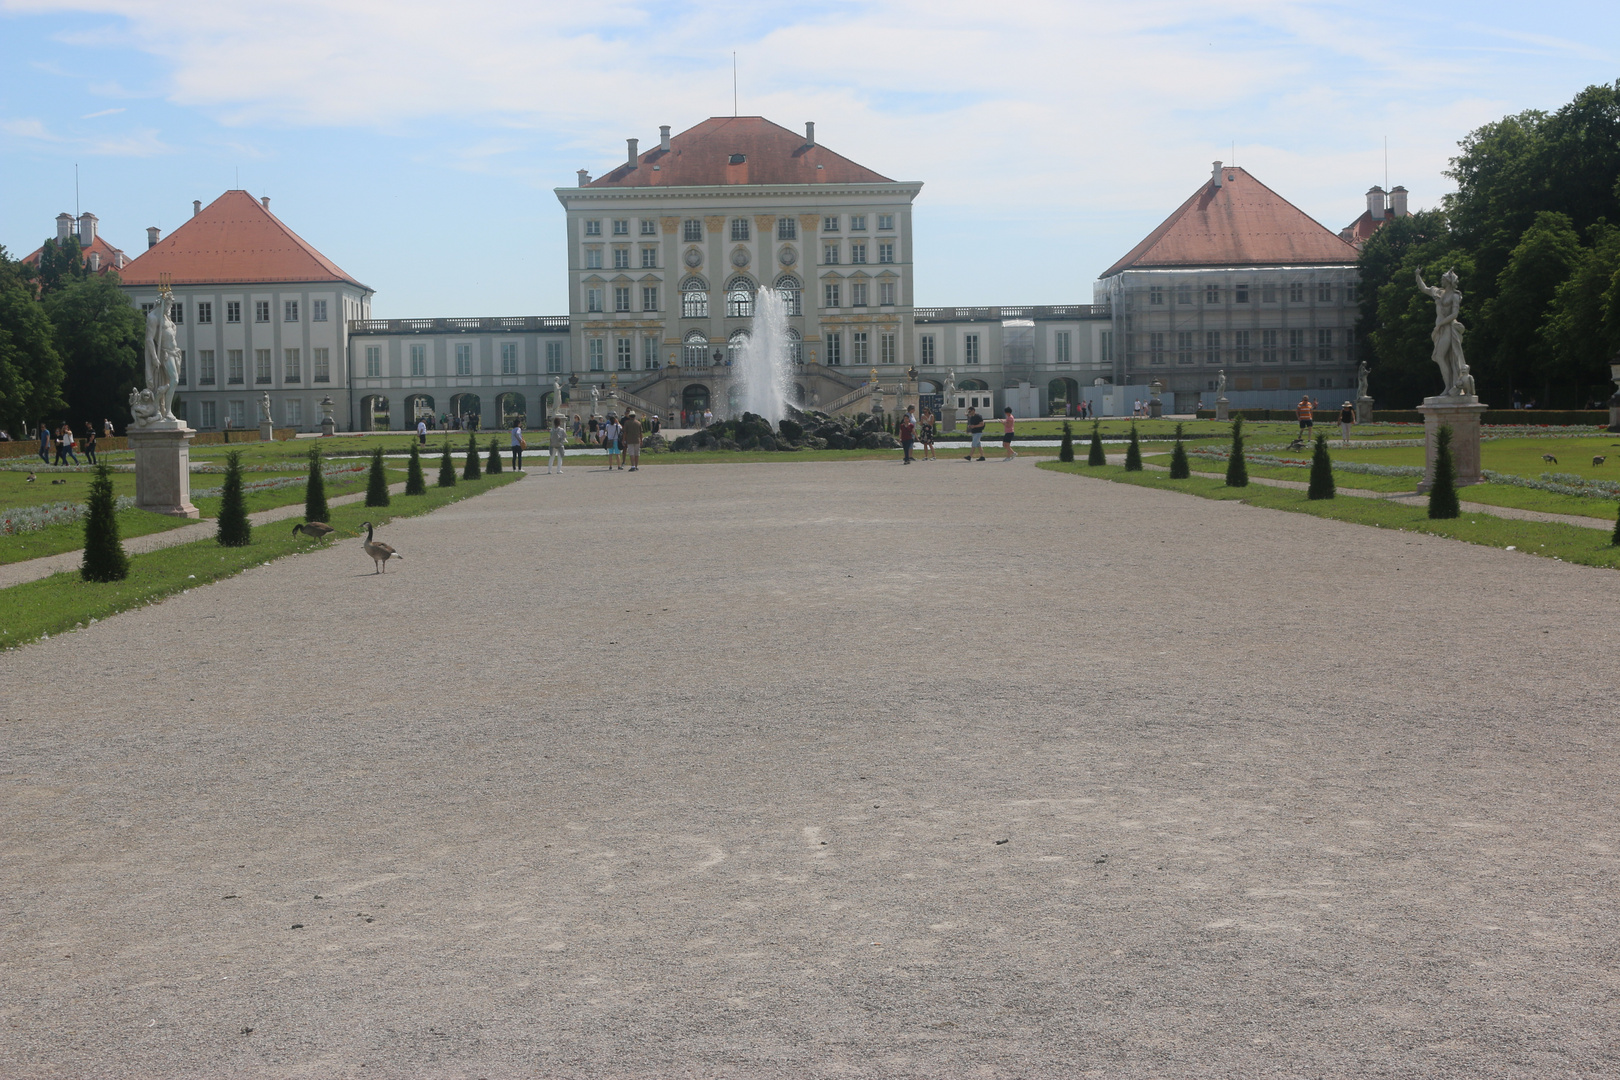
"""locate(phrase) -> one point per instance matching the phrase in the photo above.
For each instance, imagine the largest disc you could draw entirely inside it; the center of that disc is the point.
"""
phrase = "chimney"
(196, 207)
(264, 200)
(663, 137)
(809, 133)
(64, 226)
(152, 236)
(584, 177)
(95, 262)
(87, 229)
(1397, 202)
(631, 144)
(1215, 174)
(1375, 202)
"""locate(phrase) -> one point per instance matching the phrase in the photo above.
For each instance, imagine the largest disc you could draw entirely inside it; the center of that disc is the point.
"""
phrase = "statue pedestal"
(163, 469)
(1155, 407)
(1222, 408)
(267, 431)
(1462, 416)
(1364, 407)
(328, 427)
(947, 418)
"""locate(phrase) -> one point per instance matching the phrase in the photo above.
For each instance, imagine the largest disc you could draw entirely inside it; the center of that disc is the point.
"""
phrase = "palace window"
(1155, 348)
(289, 311)
(649, 353)
(1296, 292)
(694, 299)
(205, 312)
(291, 366)
(739, 229)
(831, 295)
(1184, 294)
(1268, 293)
(1184, 347)
(177, 313)
(233, 311)
(829, 254)
(621, 298)
(1350, 293)
(1268, 346)
(649, 258)
(205, 366)
(857, 294)
(792, 293)
(210, 415)
(739, 299)
(261, 365)
(236, 415)
(649, 298)
(787, 228)
(418, 360)
(295, 412)
(509, 358)
(1324, 346)
(594, 349)
(593, 258)
(885, 221)
(887, 353)
(593, 228)
(261, 311)
(970, 349)
(858, 352)
(829, 223)
(649, 227)
(373, 362)
(795, 346)
(857, 251)
(553, 357)
(692, 230)
(621, 226)
(1324, 292)
(695, 350)
(857, 223)
(886, 251)
(593, 299)
(886, 293)
(1240, 346)
(1296, 346)
(1212, 347)
(323, 365)
(925, 349)
(1241, 294)
(463, 359)
(1063, 347)
(835, 348)
(1156, 294)
(623, 353)
(621, 258)
(317, 311)
(1212, 294)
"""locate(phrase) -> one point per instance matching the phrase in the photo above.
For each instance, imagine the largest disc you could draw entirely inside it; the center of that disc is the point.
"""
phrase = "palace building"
(666, 254)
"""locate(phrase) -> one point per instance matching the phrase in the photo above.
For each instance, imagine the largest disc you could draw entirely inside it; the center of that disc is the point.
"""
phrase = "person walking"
(975, 426)
(926, 433)
(67, 446)
(44, 442)
(106, 427)
(559, 442)
(592, 436)
(90, 443)
(1306, 412)
(1007, 452)
(519, 444)
(421, 431)
(630, 432)
(610, 432)
(908, 435)
(1347, 417)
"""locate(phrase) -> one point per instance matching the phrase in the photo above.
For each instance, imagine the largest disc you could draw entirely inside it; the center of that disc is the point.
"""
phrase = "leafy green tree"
(415, 484)
(447, 468)
(30, 369)
(1582, 328)
(377, 480)
(1443, 494)
(234, 528)
(315, 508)
(1544, 258)
(104, 558)
(1066, 448)
(471, 472)
(60, 264)
(1322, 486)
(1180, 467)
(1237, 469)
(99, 337)
(1095, 455)
(1133, 453)
(494, 462)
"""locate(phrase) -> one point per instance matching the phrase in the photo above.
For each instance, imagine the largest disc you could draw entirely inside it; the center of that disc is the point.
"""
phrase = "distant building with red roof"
(100, 256)
(1381, 208)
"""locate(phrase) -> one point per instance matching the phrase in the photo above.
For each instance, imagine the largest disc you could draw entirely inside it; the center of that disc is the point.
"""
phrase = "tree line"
(1533, 231)
(70, 343)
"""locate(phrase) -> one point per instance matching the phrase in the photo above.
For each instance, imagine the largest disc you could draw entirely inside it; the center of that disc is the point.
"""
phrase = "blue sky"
(416, 144)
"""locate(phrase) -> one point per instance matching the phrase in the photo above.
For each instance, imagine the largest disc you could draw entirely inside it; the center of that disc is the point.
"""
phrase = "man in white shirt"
(421, 431)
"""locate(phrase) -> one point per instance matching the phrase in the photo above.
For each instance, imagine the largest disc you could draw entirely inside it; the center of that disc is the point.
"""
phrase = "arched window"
(694, 298)
(792, 293)
(739, 340)
(795, 346)
(740, 298)
(695, 350)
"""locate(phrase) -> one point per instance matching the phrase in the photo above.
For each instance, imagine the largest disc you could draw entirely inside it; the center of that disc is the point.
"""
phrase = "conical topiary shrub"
(315, 508)
(1443, 495)
(1095, 455)
(447, 468)
(414, 482)
(472, 471)
(1322, 486)
(1180, 468)
(234, 529)
(1237, 470)
(377, 480)
(493, 465)
(104, 558)
(1066, 448)
(1133, 453)
(1615, 539)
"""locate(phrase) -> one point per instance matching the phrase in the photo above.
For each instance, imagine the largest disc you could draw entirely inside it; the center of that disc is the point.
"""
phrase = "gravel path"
(825, 770)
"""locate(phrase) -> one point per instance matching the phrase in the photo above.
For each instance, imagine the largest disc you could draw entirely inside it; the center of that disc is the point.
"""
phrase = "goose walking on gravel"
(380, 552)
(320, 530)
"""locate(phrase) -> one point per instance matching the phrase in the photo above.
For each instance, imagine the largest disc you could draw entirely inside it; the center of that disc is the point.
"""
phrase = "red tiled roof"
(703, 156)
(99, 246)
(1358, 231)
(1240, 223)
(233, 239)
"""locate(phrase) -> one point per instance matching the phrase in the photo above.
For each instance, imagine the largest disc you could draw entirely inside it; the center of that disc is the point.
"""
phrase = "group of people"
(914, 429)
(1306, 413)
(66, 444)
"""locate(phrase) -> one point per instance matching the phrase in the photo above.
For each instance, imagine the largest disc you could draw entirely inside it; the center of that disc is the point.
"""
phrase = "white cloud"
(142, 142)
(103, 112)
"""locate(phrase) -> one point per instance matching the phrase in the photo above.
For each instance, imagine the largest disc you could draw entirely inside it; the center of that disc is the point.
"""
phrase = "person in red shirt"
(1008, 453)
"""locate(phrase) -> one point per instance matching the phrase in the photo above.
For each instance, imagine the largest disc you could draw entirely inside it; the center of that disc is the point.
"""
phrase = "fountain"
(764, 363)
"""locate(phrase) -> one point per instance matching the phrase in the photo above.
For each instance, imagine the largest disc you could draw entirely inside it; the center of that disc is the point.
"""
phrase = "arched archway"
(973, 384)
(1062, 395)
(374, 413)
(694, 399)
(466, 408)
(799, 394)
(419, 407)
(512, 409)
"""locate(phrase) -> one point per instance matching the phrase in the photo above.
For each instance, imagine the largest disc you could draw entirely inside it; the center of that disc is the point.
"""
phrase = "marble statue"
(1220, 384)
(950, 383)
(1361, 380)
(143, 408)
(556, 400)
(596, 399)
(264, 403)
(326, 408)
(1447, 335)
(162, 361)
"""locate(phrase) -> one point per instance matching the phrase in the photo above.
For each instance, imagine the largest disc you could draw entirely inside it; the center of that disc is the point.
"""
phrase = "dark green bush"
(234, 529)
(315, 508)
(104, 558)
(1443, 494)
(447, 469)
(1095, 455)
(1322, 486)
(415, 483)
(494, 463)
(1237, 469)
(1066, 448)
(1180, 468)
(377, 481)
(472, 471)
(1133, 453)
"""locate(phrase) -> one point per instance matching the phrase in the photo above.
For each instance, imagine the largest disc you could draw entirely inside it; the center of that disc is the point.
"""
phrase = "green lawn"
(1571, 543)
(63, 601)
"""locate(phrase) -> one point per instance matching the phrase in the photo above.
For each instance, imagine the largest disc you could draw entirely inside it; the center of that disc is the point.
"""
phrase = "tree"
(447, 468)
(1095, 455)
(1180, 467)
(1322, 486)
(1133, 453)
(1443, 493)
(30, 369)
(494, 463)
(60, 265)
(471, 472)
(315, 508)
(234, 527)
(99, 336)
(1066, 448)
(377, 480)
(1582, 328)
(1521, 359)
(1237, 470)
(414, 482)
(104, 558)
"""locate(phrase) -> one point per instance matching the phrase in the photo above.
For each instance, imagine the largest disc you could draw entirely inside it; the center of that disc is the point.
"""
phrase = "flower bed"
(31, 518)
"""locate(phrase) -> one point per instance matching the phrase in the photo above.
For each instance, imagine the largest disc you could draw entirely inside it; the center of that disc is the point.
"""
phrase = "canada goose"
(31, 479)
(58, 481)
(1549, 457)
(320, 530)
(380, 553)
(1600, 460)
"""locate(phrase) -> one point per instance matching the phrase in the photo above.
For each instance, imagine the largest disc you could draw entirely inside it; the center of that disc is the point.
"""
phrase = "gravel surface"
(825, 770)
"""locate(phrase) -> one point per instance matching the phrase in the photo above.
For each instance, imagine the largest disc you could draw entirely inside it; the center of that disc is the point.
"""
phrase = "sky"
(418, 144)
